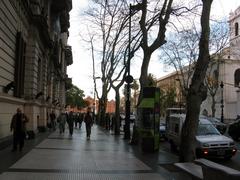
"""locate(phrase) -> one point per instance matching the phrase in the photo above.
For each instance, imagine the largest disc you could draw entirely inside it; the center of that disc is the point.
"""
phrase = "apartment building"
(34, 55)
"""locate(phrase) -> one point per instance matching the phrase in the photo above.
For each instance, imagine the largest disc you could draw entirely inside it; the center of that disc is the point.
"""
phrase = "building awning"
(147, 103)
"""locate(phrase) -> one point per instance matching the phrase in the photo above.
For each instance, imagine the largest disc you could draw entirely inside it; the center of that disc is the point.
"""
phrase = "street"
(232, 163)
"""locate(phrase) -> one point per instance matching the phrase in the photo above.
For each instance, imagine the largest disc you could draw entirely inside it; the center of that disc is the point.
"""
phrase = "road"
(233, 163)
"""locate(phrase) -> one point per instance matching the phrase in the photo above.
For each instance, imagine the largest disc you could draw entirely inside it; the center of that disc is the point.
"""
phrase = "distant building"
(94, 105)
(172, 81)
(33, 58)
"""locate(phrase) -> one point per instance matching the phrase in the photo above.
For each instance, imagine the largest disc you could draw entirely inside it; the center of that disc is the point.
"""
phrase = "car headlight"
(205, 145)
(232, 143)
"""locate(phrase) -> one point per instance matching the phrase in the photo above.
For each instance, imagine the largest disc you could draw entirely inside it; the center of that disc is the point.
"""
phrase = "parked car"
(234, 130)
(209, 141)
(132, 118)
(222, 127)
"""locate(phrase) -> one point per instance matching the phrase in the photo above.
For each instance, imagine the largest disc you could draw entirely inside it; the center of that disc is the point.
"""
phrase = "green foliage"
(135, 85)
(74, 97)
(167, 99)
(152, 80)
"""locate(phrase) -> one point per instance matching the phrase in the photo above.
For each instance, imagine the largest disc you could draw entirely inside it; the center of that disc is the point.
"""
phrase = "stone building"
(228, 96)
(33, 58)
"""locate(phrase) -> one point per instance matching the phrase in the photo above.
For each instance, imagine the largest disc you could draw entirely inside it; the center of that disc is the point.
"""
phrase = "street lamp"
(129, 80)
(222, 106)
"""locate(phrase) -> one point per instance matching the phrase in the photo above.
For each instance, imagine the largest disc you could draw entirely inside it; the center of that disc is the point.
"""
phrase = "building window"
(237, 78)
(19, 66)
(236, 29)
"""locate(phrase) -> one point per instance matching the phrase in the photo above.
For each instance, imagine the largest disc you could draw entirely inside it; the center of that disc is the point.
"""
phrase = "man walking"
(88, 122)
(18, 126)
(61, 122)
(70, 121)
(52, 120)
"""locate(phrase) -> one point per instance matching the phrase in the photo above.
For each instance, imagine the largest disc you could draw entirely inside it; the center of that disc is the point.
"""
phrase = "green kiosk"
(149, 122)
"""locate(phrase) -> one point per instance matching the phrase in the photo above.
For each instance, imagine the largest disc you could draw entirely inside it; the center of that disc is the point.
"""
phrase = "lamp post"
(222, 106)
(129, 80)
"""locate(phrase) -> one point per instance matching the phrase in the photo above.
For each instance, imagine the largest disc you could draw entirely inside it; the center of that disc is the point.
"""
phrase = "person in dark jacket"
(53, 120)
(70, 121)
(80, 120)
(18, 126)
(88, 122)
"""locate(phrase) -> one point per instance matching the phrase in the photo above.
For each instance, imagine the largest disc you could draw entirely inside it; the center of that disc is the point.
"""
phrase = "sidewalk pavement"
(103, 157)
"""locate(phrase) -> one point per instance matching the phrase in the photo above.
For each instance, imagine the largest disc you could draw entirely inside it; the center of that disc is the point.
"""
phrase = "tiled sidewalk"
(104, 157)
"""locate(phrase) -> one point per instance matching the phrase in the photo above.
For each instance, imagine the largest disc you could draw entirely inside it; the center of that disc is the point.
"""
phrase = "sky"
(81, 69)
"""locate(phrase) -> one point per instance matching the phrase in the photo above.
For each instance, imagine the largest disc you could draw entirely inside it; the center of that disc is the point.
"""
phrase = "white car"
(209, 141)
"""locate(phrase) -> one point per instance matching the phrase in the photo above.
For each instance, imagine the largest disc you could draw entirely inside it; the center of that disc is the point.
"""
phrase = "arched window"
(237, 78)
(236, 29)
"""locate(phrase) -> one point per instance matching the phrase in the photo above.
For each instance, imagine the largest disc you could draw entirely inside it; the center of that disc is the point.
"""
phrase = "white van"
(209, 141)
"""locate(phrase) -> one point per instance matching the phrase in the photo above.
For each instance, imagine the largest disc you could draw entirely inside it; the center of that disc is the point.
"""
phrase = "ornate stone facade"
(33, 58)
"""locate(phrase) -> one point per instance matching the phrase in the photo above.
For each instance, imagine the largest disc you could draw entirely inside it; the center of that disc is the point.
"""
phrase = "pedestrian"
(18, 126)
(70, 121)
(80, 120)
(61, 122)
(88, 122)
(75, 119)
(52, 120)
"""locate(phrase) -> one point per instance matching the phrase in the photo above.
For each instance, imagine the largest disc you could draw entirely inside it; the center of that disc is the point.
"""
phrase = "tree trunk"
(197, 91)
(144, 74)
(187, 148)
(213, 106)
(103, 105)
(117, 113)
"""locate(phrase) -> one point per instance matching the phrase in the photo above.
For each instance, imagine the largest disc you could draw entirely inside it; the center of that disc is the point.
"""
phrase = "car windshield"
(207, 129)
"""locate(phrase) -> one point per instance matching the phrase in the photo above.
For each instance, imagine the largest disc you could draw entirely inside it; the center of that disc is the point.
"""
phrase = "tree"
(74, 97)
(154, 19)
(182, 51)
(160, 17)
(218, 42)
(152, 82)
(109, 23)
(135, 87)
(197, 91)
